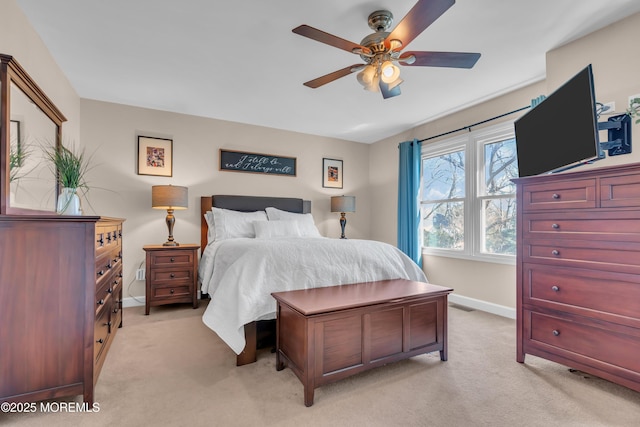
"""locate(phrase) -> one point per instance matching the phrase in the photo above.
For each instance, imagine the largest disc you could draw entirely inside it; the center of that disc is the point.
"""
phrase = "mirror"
(29, 124)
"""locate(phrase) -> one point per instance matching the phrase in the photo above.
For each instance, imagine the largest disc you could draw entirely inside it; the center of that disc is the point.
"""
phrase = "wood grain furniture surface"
(327, 334)
(61, 288)
(253, 331)
(171, 275)
(578, 271)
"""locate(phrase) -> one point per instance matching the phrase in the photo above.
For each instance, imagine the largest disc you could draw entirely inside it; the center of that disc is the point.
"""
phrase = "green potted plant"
(71, 167)
(17, 157)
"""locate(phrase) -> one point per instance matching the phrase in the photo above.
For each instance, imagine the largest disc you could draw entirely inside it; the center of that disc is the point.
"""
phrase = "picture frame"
(155, 156)
(266, 164)
(332, 172)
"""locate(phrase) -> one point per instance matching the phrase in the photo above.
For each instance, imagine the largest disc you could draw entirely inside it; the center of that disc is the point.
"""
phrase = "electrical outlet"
(609, 107)
(140, 274)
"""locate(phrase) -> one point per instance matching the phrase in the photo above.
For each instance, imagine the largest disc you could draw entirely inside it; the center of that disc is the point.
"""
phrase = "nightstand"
(171, 275)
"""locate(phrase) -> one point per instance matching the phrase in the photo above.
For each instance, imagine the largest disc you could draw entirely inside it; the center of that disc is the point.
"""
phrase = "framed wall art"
(241, 161)
(155, 156)
(331, 173)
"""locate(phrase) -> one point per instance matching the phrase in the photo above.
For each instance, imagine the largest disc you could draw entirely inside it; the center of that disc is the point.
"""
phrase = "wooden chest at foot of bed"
(327, 334)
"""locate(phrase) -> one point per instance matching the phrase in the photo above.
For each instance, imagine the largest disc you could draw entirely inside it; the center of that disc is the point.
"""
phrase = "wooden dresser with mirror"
(61, 276)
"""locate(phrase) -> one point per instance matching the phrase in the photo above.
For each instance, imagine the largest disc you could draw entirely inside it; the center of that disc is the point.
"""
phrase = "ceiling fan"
(381, 51)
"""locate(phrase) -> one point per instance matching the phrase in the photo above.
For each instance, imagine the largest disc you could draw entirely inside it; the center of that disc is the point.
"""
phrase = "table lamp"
(169, 197)
(343, 204)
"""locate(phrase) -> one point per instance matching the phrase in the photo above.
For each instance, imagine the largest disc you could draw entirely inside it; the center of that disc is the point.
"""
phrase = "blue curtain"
(408, 207)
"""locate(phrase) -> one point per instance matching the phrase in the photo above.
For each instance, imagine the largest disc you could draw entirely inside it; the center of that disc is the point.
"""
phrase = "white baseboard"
(489, 307)
(132, 302)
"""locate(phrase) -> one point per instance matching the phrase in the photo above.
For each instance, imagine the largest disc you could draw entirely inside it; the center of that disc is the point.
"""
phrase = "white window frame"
(473, 144)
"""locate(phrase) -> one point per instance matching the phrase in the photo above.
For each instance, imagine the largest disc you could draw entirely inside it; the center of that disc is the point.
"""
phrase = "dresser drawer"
(623, 257)
(616, 226)
(620, 191)
(175, 258)
(108, 237)
(582, 340)
(577, 194)
(611, 296)
(100, 333)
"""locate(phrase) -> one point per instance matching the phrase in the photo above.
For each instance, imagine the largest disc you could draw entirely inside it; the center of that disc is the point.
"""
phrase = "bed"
(253, 246)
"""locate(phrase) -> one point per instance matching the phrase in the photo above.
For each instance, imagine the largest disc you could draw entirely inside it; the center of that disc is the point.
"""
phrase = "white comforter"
(240, 274)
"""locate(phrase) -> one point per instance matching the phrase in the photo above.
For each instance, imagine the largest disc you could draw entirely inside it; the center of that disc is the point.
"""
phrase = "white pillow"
(269, 229)
(305, 221)
(230, 224)
(211, 231)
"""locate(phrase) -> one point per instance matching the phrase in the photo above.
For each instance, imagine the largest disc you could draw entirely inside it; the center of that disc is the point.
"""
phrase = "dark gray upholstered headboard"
(247, 204)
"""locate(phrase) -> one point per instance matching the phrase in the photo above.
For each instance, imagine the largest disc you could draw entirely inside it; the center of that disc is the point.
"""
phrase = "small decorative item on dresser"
(171, 275)
(343, 204)
(169, 197)
(70, 166)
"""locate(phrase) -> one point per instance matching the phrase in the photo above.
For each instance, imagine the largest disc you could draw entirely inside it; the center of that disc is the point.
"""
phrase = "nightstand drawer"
(169, 258)
(170, 276)
(169, 291)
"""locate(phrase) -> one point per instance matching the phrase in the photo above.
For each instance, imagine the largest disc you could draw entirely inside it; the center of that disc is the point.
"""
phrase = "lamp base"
(171, 244)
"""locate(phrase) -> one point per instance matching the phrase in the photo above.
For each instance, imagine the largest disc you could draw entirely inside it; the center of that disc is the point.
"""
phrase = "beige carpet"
(169, 369)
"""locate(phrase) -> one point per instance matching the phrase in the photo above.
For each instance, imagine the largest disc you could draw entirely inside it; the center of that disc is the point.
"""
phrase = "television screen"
(560, 132)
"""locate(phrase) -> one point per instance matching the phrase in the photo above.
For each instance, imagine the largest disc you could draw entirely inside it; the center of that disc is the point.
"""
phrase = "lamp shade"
(169, 197)
(343, 204)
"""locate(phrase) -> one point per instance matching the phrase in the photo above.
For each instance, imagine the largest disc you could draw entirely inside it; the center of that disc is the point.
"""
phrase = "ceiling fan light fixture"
(366, 76)
(389, 72)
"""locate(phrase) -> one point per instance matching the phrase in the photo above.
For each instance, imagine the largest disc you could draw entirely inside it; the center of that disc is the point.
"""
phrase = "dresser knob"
(108, 265)
(101, 240)
(556, 196)
(556, 332)
(101, 302)
(171, 291)
(172, 275)
(100, 273)
(110, 290)
(172, 259)
(555, 252)
(100, 341)
(107, 324)
(554, 288)
(556, 226)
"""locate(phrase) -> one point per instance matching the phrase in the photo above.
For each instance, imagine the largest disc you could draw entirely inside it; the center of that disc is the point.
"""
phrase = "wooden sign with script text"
(240, 161)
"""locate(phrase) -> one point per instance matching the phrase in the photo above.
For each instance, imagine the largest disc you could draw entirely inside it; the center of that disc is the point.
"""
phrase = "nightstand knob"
(101, 302)
(556, 226)
(172, 275)
(171, 291)
(100, 273)
(172, 259)
(556, 196)
(555, 252)
(100, 341)
(554, 288)
(556, 332)
(110, 290)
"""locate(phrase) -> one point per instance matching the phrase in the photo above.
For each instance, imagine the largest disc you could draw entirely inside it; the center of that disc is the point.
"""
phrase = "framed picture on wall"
(332, 173)
(155, 156)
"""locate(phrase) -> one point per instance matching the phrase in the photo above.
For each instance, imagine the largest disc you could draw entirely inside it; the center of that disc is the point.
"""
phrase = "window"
(467, 197)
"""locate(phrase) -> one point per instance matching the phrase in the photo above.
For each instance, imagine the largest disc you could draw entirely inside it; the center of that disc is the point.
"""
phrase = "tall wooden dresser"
(61, 294)
(578, 271)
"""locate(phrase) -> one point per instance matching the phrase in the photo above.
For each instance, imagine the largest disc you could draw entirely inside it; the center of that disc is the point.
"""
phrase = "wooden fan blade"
(330, 39)
(440, 59)
(423, 14)
(316, 83)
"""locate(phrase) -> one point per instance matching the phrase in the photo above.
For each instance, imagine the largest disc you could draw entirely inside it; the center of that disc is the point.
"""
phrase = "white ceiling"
(239, 61)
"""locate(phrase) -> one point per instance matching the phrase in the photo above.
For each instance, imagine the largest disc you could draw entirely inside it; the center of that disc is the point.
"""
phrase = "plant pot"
(69, 202)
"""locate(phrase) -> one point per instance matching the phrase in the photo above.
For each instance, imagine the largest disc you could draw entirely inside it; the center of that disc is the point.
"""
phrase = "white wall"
(109, 132)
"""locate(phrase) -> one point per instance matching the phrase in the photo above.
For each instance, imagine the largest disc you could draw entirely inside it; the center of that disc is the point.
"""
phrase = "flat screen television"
(562, 131)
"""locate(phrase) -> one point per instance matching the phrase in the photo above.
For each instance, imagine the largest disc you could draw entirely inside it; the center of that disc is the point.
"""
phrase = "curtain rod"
(475, 124)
